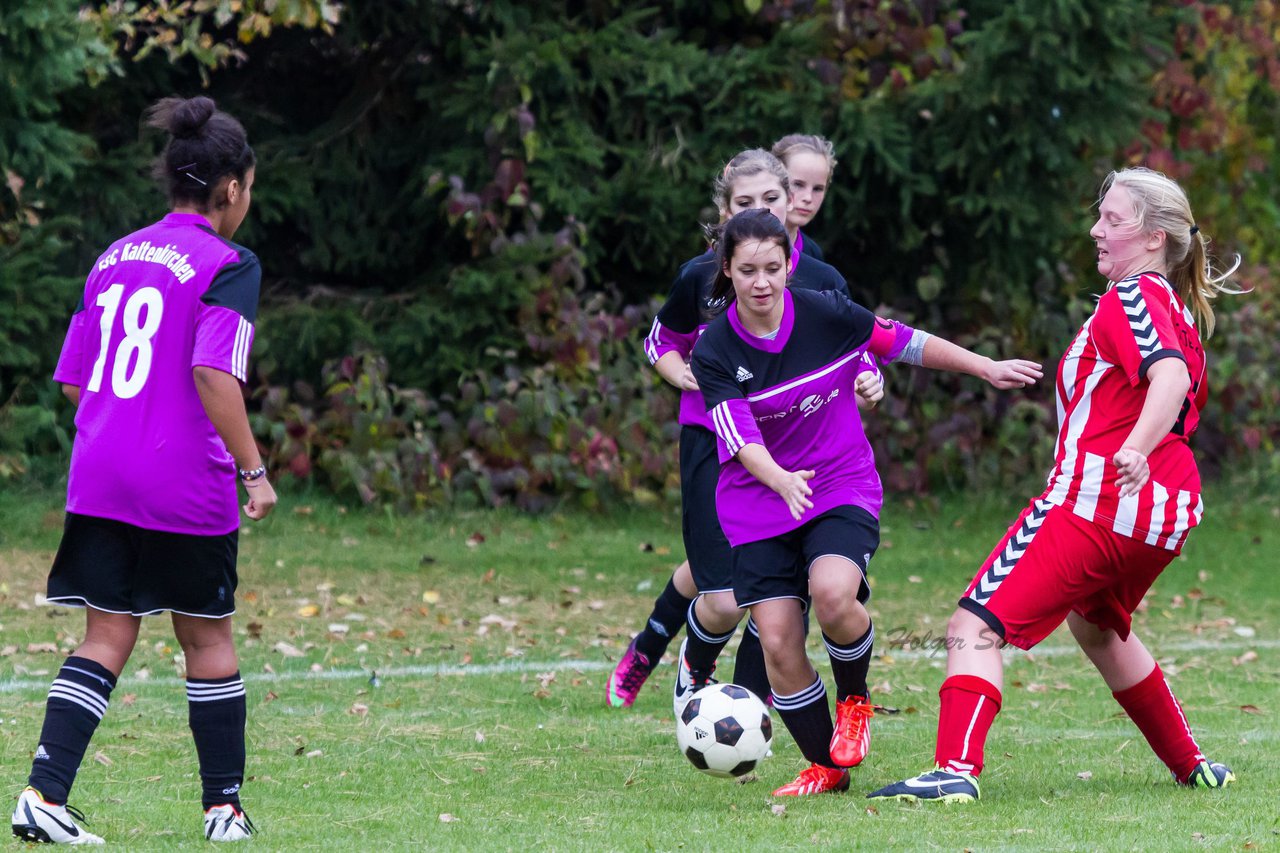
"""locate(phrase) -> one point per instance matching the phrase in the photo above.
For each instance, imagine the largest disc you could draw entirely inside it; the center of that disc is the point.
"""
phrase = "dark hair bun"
(190, 116)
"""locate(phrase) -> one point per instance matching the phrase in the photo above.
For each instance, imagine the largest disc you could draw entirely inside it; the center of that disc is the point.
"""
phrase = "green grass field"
(491, 636)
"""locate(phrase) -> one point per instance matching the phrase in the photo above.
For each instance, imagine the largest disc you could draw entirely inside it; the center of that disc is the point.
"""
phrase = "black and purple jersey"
(809, 246)
(683, 317)
(793, 394)
(159, 302)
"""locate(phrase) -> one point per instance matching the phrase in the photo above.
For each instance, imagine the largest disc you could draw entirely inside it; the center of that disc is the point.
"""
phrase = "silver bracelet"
(256, 474)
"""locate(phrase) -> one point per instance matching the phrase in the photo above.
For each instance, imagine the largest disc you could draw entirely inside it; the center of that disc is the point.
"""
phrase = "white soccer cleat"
(37, 820)
(227, 823)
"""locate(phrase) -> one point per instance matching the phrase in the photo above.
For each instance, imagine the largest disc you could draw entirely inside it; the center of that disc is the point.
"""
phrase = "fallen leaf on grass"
(488, 576)
(475, 539)
(255, 630)
(778, 810)
(359, 709)
(315, 753)
(545, 678)
(7, 651)
(914, 579)
(287, 649)
(309, 610)
(270, 697)
(128, 699)
(448, 818)
(872, 810)
(1197, 836)
(1251, 709)
(1248, 657)
(430, 596)
(479, 737)
(102, 759)
(1086, 775)
(36, 648)
(748, 777)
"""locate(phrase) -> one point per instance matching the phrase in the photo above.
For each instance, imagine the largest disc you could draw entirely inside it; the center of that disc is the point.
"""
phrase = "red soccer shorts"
(1052, 562)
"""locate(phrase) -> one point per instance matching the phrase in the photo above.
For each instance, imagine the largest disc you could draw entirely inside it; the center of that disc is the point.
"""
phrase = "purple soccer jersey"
(158, 303)
(793, 395)
(681, 320)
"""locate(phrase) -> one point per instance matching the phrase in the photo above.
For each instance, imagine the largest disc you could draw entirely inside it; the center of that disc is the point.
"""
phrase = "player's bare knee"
(724, 607)
(965, 626)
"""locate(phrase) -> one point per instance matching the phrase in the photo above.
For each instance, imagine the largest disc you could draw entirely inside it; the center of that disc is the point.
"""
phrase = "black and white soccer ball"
(725, 730)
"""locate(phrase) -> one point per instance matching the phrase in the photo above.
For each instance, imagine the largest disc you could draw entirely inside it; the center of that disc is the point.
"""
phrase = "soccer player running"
(798, 495)
(153, 360)
(751, 179)
(1122, 496)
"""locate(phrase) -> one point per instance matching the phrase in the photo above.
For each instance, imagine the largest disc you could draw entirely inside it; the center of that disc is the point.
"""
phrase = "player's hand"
(687, 382)
(1013, 373)
(1134, 471)
(262, 499)
(869, 386)
(793, 487)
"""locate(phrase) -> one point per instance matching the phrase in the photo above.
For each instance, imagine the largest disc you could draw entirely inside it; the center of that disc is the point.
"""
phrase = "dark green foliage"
(465, 210)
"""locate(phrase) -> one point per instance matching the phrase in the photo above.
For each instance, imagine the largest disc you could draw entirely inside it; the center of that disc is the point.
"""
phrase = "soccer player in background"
(153, 361)
(810, 162)
(752, 179)
(1122, 496)
(798, 496)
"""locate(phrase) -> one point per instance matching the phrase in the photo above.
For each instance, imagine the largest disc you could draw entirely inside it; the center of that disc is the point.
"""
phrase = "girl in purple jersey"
(798, 495)
(810, 162)
(153, 361)
(752, 179)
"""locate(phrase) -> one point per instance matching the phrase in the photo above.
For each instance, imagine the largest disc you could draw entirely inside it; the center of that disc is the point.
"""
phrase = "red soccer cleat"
(852, 738)
(815, 779)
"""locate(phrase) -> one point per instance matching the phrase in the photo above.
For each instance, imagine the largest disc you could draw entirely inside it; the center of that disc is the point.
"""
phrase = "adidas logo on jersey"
(41, 754)
(744, 374)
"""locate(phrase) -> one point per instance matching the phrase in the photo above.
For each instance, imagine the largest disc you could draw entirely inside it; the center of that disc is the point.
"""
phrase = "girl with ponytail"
(153, 359)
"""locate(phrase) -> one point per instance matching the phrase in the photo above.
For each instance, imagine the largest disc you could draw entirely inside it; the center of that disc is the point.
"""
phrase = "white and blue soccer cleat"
(937, 785)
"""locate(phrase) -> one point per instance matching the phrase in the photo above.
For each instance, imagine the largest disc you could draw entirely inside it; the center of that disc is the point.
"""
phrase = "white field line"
(17, 685)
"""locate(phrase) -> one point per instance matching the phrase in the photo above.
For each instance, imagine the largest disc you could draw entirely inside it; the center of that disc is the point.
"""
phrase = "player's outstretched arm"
(72, 393)
(941, 354)
(791, 486)
(224, 404)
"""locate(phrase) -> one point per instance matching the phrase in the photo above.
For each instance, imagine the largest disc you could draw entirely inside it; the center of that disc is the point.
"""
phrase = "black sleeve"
(236, 286)
(839, 285)
(682, 312)
(715, 380)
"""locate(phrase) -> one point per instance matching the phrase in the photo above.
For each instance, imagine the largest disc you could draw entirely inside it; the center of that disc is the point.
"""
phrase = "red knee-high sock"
(969, 706)
(1151, 704)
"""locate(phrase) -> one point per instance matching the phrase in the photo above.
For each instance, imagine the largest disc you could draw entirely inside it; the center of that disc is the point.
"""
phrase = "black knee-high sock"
(665, 622)
(216, 713)
(748, 669)
(808, 717)
(703, 647)
(77, 700)
(849, 664)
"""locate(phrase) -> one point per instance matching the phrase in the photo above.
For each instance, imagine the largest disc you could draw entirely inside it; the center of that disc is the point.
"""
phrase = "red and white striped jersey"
(1101, 386)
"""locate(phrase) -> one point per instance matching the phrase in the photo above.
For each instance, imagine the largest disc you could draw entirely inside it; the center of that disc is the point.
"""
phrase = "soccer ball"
(725, 730)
